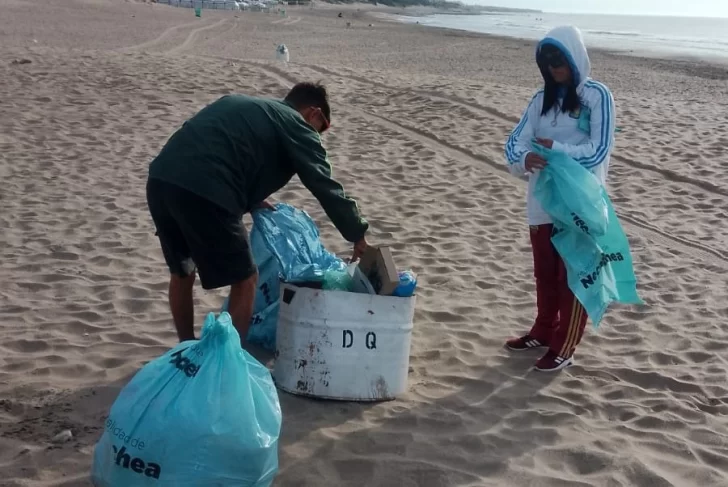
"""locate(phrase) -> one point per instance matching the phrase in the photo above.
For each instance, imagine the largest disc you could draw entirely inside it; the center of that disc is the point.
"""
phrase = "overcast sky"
(703, 8)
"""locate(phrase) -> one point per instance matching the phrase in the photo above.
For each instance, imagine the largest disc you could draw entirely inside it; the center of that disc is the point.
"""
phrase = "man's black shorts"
(196, 233)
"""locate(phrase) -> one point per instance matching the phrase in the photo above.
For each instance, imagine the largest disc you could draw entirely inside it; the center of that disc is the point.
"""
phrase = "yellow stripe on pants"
(577, 311)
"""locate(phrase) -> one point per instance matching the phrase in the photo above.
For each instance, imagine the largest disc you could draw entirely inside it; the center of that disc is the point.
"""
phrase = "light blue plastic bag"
(285, 245)
(598, 263)
(572, 194)
(265, 308)
(205, 413)
(293, 238)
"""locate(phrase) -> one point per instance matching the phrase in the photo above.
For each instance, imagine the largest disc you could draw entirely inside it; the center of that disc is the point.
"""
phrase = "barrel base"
(297, 392)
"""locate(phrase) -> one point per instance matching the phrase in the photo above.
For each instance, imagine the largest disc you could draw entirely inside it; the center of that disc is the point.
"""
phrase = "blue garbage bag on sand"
(587, 235)
(204, 413)
(286, 245)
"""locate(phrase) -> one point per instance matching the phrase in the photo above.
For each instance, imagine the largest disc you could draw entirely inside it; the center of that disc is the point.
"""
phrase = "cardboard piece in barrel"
(377, 264)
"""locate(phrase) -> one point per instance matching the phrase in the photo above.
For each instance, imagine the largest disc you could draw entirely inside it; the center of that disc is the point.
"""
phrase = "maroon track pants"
(561, 318)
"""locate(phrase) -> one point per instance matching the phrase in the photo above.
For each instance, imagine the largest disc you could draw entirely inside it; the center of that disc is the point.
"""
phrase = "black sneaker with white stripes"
(526, 342)
(552, 362)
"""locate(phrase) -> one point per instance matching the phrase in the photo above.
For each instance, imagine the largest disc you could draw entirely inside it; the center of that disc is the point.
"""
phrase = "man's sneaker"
(551, 362)
(526, 342)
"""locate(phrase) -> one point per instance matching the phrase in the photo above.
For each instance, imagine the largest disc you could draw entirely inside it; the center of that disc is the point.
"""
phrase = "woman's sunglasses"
(553, 57)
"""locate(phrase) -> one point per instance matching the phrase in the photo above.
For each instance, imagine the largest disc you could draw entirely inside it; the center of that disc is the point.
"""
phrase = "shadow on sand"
(453, 440)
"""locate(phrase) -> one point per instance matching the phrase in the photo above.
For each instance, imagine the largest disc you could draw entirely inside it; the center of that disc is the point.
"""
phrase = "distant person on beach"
(573, 114)
(224, 162)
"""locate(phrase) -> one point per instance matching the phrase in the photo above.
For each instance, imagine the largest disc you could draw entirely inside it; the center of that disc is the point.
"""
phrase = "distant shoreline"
(711, 67)
(706, 67)
(447, 7)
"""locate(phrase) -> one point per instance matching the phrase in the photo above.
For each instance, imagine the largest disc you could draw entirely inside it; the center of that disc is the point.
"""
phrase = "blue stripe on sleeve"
(513, 139)
(606, 130)
(512, 154)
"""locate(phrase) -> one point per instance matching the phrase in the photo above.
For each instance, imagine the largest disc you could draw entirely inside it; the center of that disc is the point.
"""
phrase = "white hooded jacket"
(587, 136)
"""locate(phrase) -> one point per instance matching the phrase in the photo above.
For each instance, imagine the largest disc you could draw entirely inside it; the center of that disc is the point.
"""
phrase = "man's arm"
(311, 163)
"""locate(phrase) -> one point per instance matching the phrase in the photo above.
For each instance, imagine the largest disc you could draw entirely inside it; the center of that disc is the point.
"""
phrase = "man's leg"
(161, 199)
(242, 298)
(182, 306)
(220, 249)
(237, 270)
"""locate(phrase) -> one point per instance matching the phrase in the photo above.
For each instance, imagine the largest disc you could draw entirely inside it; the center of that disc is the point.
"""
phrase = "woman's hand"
(548, 143)
(534, 162)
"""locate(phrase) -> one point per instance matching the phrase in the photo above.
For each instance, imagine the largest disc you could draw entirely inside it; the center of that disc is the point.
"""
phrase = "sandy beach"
(93, 88)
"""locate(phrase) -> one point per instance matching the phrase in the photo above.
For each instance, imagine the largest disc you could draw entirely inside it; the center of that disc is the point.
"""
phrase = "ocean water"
(671, 36)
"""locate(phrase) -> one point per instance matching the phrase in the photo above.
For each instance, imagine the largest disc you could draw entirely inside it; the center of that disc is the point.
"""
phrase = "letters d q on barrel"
(343, 345)
(348, 339)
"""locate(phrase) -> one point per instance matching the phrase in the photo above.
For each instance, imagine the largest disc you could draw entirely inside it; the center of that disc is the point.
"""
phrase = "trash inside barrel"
(286, 247)
(338, 331)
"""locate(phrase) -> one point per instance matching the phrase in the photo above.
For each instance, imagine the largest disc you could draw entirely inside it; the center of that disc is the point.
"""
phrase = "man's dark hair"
(308, 94)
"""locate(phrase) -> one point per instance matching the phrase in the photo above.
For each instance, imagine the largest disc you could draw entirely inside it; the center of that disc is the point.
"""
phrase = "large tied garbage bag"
(587, 234)
(204, 413)
(285, 245)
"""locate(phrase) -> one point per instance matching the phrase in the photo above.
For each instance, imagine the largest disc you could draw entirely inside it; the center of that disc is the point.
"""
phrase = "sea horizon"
(662, 35)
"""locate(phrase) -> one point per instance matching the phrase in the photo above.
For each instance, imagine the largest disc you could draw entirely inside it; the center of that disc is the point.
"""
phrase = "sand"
(419, 122)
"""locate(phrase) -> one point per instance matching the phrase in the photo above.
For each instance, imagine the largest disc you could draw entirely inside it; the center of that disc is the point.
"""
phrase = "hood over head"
(568, 39)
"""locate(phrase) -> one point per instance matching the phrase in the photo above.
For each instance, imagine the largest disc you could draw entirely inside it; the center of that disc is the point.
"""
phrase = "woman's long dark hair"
(571, 102)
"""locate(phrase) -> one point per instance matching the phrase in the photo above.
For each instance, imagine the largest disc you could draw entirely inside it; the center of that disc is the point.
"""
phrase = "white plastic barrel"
(341, 345)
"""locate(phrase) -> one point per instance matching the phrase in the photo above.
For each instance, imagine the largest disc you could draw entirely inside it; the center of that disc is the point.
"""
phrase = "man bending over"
(224, 162)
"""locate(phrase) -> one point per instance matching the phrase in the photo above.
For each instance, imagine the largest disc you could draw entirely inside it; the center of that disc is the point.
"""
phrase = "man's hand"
(359, 248)
(548, 143)
(534, 162)
(264, 205)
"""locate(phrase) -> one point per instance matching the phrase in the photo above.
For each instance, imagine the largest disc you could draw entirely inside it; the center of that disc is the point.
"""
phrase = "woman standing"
(573, 114)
